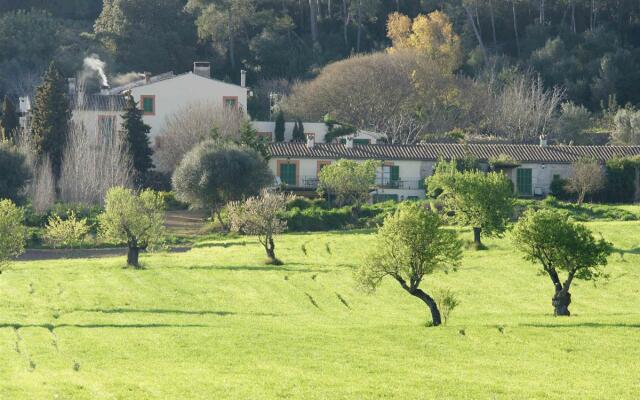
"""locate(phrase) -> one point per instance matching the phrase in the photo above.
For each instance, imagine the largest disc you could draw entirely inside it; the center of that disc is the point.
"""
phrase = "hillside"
(217, 323)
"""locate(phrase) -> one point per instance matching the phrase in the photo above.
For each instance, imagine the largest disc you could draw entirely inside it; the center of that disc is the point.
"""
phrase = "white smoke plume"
(94, 63)
(123, 79)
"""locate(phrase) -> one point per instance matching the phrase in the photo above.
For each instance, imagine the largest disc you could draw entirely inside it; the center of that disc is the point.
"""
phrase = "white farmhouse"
(316, 130)
(163, 95)
(404, 167)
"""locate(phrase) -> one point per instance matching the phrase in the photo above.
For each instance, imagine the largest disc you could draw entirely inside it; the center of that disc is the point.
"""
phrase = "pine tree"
(50, 118)
(135, 134)
(249, 137)
(9, 121)
(279, 129)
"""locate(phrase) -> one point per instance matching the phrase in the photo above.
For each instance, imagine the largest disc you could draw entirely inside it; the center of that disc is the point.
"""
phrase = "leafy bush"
(64, 211)
(447, 302)
(171, 202)
(70, 232)
(585, 212)
(12, 232)
(559, 189)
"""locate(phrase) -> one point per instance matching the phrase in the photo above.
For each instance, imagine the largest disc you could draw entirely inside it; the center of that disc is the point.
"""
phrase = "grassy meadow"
(216, 322)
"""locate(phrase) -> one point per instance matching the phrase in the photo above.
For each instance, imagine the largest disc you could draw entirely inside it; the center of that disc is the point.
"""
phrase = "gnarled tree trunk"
(476, 237)
(270, 247)
(560, 302)
(431, 303)
(132, 254)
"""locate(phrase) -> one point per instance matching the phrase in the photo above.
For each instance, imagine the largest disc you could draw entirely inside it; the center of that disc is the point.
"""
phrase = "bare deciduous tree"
(587, 176)
(90, 168)
(191, 125)
(41, 189)
(524, 110)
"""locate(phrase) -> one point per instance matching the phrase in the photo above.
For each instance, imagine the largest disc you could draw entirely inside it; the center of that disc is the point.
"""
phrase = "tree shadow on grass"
(635, 250)
(171, 311)
(582, 325)
(219, 244)
(51, 327)
(253, 268)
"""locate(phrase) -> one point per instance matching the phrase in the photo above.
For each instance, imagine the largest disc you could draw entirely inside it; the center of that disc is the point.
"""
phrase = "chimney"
(72, 86)
(349, 143)
(243, 78)
(543, 141)
(147, 77)
(202, 68)
(311, 141)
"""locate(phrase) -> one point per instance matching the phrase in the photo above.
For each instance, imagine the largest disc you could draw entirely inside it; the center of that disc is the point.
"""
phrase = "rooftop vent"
(243, 78)
(311, 141)
(349, 142)
(202, 68)
(543, 141)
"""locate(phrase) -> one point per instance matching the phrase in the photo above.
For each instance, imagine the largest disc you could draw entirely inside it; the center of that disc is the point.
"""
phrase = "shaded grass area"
(216, 322)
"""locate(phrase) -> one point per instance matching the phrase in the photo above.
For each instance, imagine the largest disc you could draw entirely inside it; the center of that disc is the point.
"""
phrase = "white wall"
(175, 93)
(88, 119)
(319, 129)
(542, 175)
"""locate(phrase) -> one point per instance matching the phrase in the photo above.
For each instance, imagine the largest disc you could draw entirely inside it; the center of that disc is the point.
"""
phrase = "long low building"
(404, 167)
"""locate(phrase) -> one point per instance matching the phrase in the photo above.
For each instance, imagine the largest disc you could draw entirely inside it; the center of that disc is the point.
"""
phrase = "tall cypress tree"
(298, 133)
(9, 121)
(135, 134)
(50, 118)
(279, 129)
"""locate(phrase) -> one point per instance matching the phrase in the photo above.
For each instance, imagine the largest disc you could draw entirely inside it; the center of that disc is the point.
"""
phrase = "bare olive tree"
(587, 176)
(191, 125)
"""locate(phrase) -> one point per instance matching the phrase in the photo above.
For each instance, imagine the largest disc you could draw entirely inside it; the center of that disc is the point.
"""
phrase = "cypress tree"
(298, 133)
(135, 134)
(9, 121)
(249, 137)
(279, 129)
(50, 118)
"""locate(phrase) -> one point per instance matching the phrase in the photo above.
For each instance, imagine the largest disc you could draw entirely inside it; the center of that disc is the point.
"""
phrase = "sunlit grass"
(217, 322)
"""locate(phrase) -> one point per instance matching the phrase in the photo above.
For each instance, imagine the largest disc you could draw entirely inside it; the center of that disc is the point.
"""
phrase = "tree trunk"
(313, 20)
(560, 302)
(232, 50)
(493, 25)
(431, 303)
(581, 196)
(476, 32)
(271, 249)
(542, 17)
(358, 40)
(515, 26)
(345, 23)
(573, 16)
(476, 237)
(132, 255)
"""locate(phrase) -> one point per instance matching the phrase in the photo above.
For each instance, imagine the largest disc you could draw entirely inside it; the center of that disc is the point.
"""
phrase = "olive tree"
(411, 244)
(549, 238)
(348, 180)
(136, 220)
(473, 198)
(215, 173)
(587, 176)
(260, 216)
(12, 232)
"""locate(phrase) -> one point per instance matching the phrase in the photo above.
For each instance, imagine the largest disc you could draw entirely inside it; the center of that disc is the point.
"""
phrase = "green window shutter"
(288, 174)
(524, 182)
(361, 141)
(395, 173)
(147, 104)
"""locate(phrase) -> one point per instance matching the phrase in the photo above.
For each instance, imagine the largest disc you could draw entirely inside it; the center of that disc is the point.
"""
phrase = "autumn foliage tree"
(551, 239)
(412, 243)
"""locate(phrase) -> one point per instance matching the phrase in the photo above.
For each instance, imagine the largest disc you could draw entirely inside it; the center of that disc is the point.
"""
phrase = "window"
(388, 175)
(148, 104)
(524, 181)
(230, 101)
(106, 128)
(288, 174)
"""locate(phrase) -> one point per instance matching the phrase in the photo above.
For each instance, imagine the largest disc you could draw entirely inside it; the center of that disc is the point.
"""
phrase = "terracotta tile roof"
(435, 151)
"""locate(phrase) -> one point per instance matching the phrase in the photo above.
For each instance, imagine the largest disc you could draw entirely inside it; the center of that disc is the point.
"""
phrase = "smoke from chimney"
(97, 65)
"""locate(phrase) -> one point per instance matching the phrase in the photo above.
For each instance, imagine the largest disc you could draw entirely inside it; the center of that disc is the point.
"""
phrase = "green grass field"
(217, 323)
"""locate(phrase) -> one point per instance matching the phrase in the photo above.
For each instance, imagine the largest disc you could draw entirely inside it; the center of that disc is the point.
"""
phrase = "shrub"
(12, 232)
(70, 232)
(447, 302)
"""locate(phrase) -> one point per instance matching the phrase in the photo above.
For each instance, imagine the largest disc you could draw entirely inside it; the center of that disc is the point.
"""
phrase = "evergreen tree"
(50, 118)
(298, 133)
(249, 137)
(279, 129)
(9, 120)
(134, 133)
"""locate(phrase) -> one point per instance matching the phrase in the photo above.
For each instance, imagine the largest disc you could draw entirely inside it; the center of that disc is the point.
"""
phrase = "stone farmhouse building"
(404, 167)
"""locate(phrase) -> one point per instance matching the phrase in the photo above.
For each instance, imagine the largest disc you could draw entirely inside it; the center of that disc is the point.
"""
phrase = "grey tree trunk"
(232, 47)
(515, 26)
(476, 237)
(476, 31)
(313, 19)
(493, 24)
(133, 253)
(573, 16)
(345, 23)
(358, 40)
(560, 302)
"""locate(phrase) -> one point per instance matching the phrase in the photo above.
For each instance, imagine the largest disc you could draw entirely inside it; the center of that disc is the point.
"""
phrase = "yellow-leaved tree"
(430, 34)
